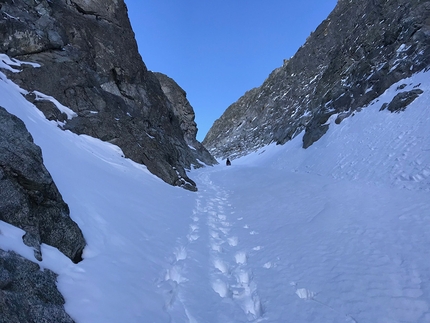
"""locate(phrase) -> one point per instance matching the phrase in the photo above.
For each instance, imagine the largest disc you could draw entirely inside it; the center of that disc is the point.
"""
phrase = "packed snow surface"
(339, 232)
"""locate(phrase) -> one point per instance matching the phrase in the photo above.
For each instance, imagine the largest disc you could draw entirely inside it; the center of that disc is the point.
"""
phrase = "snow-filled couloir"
(334, 233)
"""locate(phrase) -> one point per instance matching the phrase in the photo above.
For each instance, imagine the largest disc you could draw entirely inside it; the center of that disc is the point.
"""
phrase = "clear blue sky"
(218, 50)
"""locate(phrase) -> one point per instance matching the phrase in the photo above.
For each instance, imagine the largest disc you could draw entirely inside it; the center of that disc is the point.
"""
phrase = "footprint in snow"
(248, 298)
(180, 253)
(212, 213)
(212, 224)
(268, 265)
(194, 227)
(174, 274)
(243, 278)
(221, 266)
(241, 257)
(222, 217)
(214, 235)
(192, 237)
(233, 241)
(221, 288)
(216, 247)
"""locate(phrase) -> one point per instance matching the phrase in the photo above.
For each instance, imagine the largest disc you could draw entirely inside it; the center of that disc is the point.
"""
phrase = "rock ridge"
(360, 50)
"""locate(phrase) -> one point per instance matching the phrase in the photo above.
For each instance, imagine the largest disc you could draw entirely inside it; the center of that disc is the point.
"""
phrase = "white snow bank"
(43, 97)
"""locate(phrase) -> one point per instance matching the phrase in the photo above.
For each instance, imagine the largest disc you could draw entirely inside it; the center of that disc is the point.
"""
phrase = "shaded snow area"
(339, 232)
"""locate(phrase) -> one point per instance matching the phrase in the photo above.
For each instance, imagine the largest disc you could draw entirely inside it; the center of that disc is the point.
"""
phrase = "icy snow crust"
(335, 233)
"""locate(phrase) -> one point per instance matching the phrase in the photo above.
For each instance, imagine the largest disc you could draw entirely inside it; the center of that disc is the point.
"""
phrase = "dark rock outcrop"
(29, 199)
(360, 50)
(185, 114)
(90, 63)
(402, 100)
(28, 294)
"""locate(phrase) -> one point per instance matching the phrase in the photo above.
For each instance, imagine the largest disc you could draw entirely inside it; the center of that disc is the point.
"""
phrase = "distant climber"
(228, 162)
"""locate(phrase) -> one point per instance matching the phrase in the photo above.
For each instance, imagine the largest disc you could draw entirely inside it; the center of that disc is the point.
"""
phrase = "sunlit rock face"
(90, 63)
(354, 55)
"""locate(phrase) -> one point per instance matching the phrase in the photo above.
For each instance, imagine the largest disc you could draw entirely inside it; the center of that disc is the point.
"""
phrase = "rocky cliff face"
(90, 63)
(185, 114)
(29, 198)
(361, 49)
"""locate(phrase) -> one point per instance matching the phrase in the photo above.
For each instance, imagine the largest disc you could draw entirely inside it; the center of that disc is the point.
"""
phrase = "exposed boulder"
(402, 100)
(360, 50)
(90, 63)
(29, 199)
(28, 294)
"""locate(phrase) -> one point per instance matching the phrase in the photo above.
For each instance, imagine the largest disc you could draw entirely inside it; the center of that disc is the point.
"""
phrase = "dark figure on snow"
(228, 162)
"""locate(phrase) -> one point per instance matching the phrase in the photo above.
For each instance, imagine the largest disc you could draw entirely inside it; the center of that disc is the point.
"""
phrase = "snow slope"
(335, 233)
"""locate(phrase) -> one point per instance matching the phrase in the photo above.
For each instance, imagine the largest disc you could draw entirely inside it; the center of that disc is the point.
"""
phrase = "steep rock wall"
(354, 55)
(90, 63)
(185, 113)
(30, 200)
